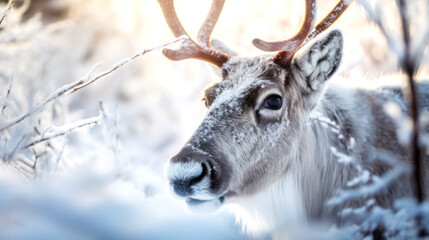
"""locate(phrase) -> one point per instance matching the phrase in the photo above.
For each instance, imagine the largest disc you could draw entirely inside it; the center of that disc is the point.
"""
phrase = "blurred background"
(107, 181)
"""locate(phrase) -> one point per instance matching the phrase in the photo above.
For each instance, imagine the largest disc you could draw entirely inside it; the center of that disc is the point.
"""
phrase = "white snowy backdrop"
(105, 179)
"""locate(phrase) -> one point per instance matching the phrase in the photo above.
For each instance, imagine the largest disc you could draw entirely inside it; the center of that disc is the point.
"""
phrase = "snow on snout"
(184, 170)
(225, 105)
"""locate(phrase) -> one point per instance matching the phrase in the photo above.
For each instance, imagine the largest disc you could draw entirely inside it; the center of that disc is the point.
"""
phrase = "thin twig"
(10, 5)
(374, 14)
(127, 60)
(83, 82)
(39, 107)
(408, 63)
(4, 101)
(409, 67)
(64, 130)
(377, 182)
(417, 55)
(9, 156)
(60, 155)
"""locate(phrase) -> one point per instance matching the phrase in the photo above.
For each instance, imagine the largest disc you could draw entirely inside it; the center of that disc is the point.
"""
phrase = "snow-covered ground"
(106, 180)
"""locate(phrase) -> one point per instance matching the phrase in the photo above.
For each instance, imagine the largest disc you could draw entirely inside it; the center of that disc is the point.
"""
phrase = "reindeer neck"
(324, 140)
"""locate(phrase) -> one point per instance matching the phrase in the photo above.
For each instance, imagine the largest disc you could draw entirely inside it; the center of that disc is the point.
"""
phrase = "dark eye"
(273, 102)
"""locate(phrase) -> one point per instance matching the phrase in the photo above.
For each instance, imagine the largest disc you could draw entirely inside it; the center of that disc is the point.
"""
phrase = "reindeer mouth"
(193, 201)
(204, 205)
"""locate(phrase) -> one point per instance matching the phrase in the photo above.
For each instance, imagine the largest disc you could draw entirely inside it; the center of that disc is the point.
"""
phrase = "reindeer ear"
(313, 66)
(221, 46)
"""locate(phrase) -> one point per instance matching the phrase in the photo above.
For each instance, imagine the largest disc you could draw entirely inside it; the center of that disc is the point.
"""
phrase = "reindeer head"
(255, 113)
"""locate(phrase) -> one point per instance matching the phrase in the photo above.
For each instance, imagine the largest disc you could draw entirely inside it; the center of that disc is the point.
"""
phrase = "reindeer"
(258, 148)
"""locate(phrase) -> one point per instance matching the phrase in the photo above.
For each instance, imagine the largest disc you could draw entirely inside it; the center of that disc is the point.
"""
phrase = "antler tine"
(170, 16)
(207, 27)
(293, 43)
(335, 13)
(289, 47)
(189, 48)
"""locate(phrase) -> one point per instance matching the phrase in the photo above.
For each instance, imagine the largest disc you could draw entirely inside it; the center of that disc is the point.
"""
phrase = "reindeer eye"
(273, 102)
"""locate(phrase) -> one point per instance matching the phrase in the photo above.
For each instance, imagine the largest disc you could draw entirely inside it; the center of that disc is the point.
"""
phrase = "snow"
(402, 121)
(342, 158)
(6, 12)
(100, 182)
(107, 180)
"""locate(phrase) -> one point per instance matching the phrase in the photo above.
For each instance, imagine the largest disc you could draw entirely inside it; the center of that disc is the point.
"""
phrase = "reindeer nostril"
(201, 176)
(182, 187)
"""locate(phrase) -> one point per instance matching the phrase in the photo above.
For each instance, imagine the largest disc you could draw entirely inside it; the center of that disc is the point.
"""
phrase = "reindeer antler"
(290, 46)
(190, 49)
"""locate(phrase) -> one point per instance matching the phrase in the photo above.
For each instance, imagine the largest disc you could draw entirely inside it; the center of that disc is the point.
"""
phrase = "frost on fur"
(91, 141)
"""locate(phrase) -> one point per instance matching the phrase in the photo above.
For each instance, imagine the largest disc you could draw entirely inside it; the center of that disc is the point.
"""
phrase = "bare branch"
(8, 157)
(408, 62)
(60, 155)
(6, 12)
(127, 60)
(409, 68)
(417, 55)
(5, 99)
(83, 82)
(378, 183)
(374, 14)
(39, 107)
(64, 130)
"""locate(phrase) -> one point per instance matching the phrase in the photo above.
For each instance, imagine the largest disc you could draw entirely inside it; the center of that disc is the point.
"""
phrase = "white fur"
(206, 206)
(278, 173)
(274, 208)
(184, 170)
(191, 170)
(201, 190)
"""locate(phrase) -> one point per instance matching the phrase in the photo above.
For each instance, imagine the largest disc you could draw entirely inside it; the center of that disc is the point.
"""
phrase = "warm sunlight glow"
(83, 159)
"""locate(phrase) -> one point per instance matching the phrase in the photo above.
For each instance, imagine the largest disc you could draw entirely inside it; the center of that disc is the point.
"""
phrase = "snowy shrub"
(408, 219)
(65, 171)
(85, 159)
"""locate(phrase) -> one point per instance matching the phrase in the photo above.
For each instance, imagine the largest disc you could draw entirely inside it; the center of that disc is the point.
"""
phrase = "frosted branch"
(83, 82)
(6, 12)
(125, 61)
(333, 127)
(110, 131)
(378, 183)
(4, 100)
(39, 107)
(64, 130)
(8, 156)
(369, 184)
(374, 14)
(417, 55)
